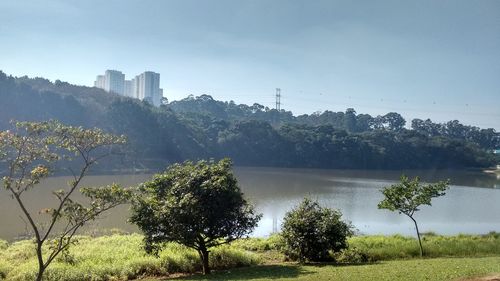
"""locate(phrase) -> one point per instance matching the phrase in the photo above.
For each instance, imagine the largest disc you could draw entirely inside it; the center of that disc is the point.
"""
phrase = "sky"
(423, 59)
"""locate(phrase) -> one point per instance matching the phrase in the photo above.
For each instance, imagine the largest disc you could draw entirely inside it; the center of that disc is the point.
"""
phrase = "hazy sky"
(437, 59)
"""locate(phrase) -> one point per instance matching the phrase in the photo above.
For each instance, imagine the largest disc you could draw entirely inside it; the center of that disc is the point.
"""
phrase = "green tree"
(394, 121)
(311, 231)
(32, 151)
(407, 196)
(350, 120)
(196, 204)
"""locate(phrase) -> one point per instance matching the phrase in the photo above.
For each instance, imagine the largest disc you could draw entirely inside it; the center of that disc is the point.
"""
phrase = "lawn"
(426, 269)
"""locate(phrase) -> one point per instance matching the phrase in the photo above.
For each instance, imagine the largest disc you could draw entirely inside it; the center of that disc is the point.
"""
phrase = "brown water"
(472, 205)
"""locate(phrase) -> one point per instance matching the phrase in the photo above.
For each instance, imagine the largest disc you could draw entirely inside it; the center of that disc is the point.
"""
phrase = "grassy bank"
(115, 257)
(121, 257)
(401, 247)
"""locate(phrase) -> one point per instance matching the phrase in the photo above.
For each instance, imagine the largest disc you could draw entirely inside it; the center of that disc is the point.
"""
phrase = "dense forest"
(201, 127)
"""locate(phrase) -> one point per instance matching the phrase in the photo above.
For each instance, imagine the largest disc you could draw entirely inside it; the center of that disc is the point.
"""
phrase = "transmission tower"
(278, 99)
(275, 224)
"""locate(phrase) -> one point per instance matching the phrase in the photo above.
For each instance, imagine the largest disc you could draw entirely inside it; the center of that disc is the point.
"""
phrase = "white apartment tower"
(128, 90)
(99, 82)
(145, 86)
(114, 81)
(148, 87)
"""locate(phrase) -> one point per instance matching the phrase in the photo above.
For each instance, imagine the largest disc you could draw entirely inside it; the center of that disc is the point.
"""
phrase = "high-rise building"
(145, 86)
(129, 88)
(114, 82)
(99, 81)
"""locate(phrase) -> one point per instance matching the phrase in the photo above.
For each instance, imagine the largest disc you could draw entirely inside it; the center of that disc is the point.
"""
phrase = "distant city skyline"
(145, 86)
(423, 59)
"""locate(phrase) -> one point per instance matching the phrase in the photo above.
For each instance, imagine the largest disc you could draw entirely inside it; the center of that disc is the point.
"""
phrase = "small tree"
(311, 231)
(196, 204)
(30, 154)
(407, 196)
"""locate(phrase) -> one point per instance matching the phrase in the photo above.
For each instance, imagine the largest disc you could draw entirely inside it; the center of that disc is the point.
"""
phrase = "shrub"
(353, 255)
(310, 232)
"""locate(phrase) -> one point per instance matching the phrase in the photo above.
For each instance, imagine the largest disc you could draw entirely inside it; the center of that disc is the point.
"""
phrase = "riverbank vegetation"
(122, 257)
(252, 135)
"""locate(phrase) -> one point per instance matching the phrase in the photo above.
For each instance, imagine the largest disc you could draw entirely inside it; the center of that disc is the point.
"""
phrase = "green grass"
(116, 257)
(400, 247)
(416, 269)
(121, 257)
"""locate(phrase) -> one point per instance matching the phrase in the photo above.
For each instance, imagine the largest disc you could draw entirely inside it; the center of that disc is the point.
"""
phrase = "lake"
(471, 205)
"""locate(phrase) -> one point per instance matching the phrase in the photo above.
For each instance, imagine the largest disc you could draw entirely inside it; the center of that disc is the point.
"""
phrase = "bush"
(353, 255)
(311, 232)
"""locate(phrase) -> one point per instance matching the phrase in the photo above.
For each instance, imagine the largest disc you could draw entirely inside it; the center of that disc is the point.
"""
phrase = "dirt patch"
(492, 277)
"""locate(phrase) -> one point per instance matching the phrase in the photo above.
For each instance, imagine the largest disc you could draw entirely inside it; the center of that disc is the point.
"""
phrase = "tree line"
(201, 127)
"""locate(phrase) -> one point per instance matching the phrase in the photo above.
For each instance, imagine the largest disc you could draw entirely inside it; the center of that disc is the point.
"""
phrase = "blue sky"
(423, 59)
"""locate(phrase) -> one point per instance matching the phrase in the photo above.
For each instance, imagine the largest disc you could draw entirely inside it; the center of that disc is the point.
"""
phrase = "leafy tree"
(350, 120)
(196, 204)
(394, 121)
(311, 231)
(251, 142)
(407, 196)
(31, 152)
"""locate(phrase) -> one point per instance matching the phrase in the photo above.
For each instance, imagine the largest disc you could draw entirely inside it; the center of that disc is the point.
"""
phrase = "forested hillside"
(201, 127)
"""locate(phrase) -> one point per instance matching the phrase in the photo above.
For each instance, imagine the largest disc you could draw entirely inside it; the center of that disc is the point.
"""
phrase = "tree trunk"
(41, 265)
(40, 274)
(418, 235)
(204, 258)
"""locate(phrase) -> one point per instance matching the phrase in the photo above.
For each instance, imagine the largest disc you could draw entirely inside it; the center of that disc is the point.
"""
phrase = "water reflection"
(356, 193)
(465, 208)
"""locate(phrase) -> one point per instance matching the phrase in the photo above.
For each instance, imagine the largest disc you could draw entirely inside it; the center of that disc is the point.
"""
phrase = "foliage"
(32, 152)
(199, 205)
(310, 232)
(407, 197)
(485, 138)
(201, 128)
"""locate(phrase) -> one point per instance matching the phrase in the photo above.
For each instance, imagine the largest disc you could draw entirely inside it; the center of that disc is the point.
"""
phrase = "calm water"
(470, 206)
